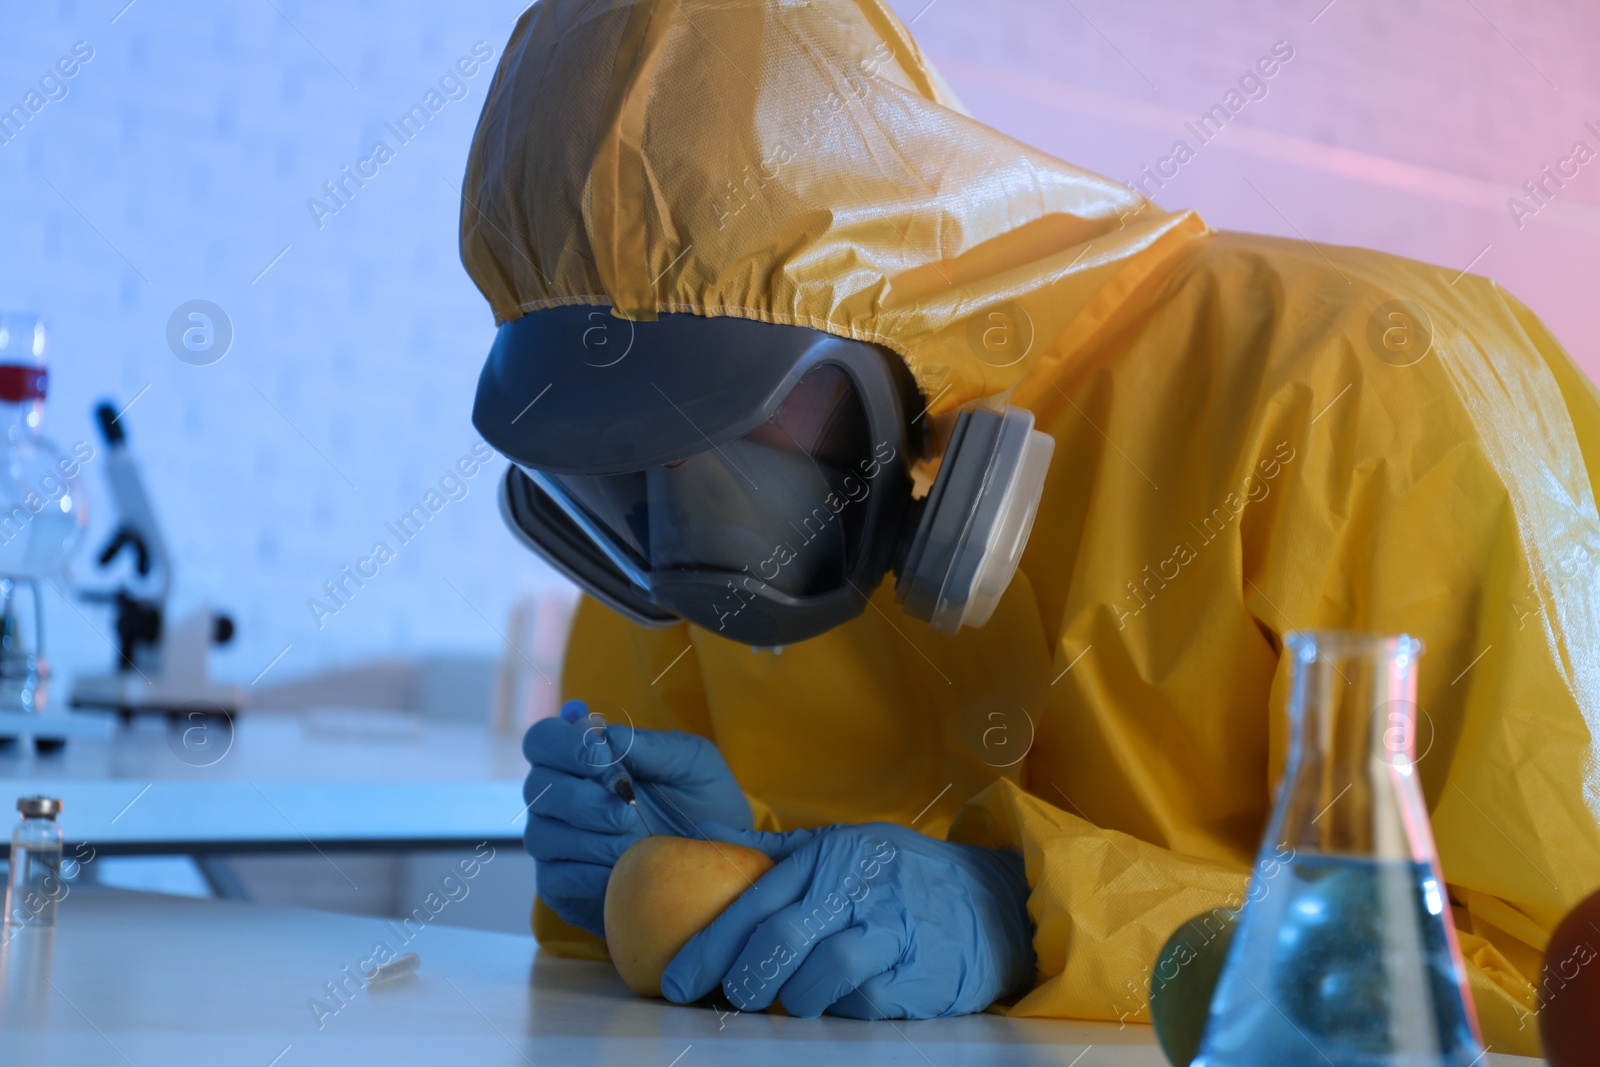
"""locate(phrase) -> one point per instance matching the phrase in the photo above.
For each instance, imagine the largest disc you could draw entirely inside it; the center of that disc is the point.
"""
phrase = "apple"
(662, 892)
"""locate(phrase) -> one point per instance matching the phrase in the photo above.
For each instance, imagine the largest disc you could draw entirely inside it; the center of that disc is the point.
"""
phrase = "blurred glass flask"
(42, 513)
(1346, 952)
(42, 510)
(24, 674)
(33, 887)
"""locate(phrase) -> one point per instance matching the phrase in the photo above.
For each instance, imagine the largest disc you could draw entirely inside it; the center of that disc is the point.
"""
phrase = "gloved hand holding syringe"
(614, 776)
(595, 787)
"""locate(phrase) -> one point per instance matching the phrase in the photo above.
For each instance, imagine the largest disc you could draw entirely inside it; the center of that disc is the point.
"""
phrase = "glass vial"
(1345, 951)
(34, 886)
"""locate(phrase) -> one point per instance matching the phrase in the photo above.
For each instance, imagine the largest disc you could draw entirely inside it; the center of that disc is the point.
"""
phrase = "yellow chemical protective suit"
(1252, 436)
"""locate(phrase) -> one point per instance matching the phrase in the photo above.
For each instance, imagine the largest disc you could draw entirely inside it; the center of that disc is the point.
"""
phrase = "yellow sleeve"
(1523, 801)
(1102, 902)
(1449, 495)
(556, 935)
(1465, 486)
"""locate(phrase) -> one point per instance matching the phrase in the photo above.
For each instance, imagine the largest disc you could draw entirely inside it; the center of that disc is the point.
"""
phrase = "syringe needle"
(619, 782)
(625, 791)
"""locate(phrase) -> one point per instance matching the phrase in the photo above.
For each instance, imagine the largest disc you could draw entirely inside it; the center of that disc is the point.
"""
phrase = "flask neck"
(1350, 786)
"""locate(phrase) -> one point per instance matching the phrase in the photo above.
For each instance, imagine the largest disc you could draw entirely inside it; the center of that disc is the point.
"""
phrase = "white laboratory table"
(143, 980)
(332, 779)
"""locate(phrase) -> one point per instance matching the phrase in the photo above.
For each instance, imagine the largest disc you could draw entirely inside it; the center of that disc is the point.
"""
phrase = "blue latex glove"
(577, 828)
(872, 922)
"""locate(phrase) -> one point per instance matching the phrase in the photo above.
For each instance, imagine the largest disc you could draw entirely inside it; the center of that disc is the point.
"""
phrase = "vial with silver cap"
(34, 884)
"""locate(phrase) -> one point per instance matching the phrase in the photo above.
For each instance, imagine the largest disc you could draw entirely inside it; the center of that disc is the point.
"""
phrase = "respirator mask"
(753, 479)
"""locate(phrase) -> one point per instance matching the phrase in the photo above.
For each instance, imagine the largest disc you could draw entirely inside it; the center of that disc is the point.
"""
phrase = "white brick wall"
(191, 142)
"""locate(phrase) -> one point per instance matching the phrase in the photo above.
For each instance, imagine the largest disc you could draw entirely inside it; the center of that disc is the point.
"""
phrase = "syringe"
(614, 776)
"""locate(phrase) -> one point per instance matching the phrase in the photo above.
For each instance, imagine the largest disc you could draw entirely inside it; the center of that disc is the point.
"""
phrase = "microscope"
(161, 667)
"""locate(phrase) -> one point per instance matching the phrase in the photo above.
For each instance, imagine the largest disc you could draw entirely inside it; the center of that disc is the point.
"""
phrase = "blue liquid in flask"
(1342, 959)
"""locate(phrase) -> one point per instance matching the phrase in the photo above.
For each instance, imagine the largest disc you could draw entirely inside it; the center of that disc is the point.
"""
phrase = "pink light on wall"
(1461, 133)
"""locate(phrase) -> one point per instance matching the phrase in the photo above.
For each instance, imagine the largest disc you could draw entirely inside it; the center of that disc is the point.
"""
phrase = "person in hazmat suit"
(942, 508)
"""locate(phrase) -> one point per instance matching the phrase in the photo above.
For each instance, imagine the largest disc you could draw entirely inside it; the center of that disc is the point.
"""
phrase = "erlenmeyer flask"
(1345, 952)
